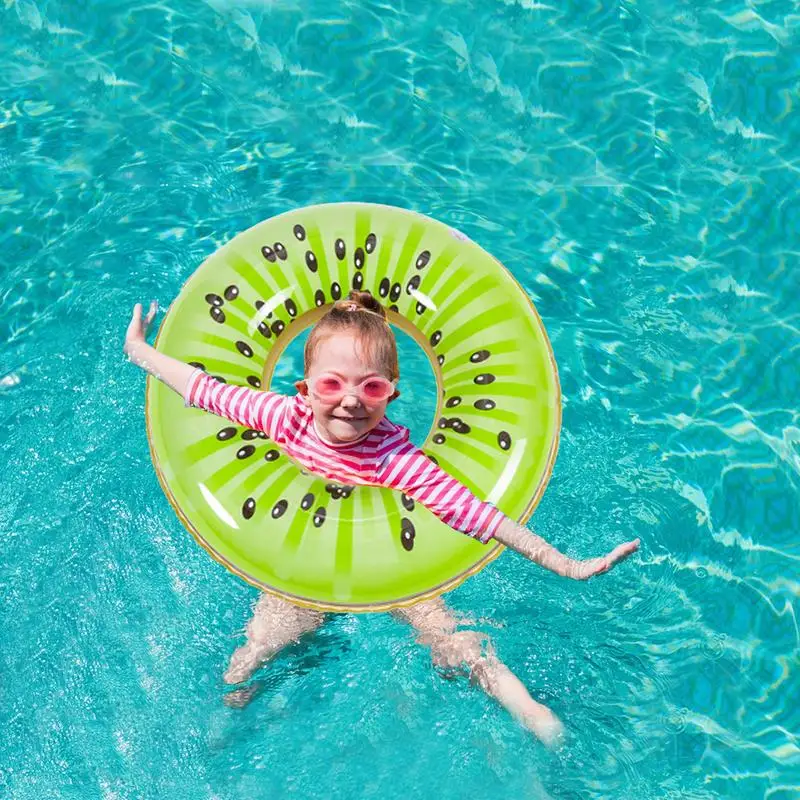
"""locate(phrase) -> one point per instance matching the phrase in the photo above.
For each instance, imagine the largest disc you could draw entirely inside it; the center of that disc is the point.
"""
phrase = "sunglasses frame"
(357, 390)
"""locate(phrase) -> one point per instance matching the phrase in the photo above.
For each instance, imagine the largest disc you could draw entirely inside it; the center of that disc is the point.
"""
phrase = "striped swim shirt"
(384, 456)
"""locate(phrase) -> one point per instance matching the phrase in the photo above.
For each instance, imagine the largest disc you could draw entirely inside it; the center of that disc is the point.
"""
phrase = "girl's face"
(347, 418)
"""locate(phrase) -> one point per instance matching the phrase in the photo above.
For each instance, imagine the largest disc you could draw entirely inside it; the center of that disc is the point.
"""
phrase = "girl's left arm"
(536, 549)
(407, 469)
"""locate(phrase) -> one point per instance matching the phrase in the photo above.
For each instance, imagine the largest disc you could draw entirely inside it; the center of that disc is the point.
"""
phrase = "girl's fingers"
(136, 329)
(134, 317)
(623, 551)
(597, 566)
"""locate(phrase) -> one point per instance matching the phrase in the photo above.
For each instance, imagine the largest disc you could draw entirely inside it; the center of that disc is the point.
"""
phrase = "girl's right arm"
(174, 373)
(256, 409)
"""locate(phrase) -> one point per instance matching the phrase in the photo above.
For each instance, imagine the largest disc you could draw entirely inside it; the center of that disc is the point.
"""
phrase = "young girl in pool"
(335, 426)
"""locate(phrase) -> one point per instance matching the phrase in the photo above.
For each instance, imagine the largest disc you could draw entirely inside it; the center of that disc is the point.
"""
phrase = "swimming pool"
(635, 166)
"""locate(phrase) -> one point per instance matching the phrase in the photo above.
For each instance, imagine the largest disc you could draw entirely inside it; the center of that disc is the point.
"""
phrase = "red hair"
(364, 315)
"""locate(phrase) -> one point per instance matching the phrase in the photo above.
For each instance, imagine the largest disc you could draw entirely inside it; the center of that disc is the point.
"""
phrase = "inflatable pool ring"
(290, 532)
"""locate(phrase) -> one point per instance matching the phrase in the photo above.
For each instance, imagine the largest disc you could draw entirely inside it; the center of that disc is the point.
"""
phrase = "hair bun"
(361, 300)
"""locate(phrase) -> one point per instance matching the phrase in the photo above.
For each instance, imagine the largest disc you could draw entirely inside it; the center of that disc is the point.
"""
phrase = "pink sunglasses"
(372, 390)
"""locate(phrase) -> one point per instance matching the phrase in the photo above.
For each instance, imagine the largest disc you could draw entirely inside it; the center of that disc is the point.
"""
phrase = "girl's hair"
(363, 314)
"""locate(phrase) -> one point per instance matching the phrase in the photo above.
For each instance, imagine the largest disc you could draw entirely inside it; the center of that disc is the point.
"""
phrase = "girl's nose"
(349, 400)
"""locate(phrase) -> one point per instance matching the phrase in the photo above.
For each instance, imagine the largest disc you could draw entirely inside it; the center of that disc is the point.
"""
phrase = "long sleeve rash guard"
(382, 457)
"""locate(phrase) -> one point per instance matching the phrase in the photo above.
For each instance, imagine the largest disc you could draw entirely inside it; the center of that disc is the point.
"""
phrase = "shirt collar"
(343, 444)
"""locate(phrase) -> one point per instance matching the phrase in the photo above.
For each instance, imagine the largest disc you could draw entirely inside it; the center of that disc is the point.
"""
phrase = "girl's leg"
(472, 652)
(276, 623)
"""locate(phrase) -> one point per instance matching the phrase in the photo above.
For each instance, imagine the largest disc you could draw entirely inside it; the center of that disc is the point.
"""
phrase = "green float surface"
(497, 377)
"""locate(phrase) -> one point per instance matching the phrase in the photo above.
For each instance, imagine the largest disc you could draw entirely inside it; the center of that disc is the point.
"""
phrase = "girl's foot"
(245, 661)
(545, 725)
(239, 698)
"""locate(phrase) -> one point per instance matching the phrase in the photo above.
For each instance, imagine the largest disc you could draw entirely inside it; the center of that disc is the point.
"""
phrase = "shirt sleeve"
(260, 410)
(407, 469)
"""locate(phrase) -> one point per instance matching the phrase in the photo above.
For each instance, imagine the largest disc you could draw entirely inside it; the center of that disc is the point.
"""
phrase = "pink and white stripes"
(383, 457)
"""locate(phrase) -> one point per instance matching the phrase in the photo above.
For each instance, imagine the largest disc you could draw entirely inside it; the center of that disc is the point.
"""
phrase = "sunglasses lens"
(377, 389)
(328, 386)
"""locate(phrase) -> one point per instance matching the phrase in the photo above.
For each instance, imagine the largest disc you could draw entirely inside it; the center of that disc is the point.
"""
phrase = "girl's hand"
(137, 330)
(596, 566)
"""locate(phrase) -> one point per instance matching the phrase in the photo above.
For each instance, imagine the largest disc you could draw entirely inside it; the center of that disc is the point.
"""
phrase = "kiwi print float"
(290, 532)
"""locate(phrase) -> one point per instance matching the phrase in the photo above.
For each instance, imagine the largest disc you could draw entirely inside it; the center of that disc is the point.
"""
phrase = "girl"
(335, 426)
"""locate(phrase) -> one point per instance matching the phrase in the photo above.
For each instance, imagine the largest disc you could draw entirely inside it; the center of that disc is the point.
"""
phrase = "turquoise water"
(635, 165)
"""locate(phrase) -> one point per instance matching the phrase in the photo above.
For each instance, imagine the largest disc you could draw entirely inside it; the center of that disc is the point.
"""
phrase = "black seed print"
(214, 300)
(249, 508)
(249, 434)
(340, 249)
(369, 244)
(504, 440)
(393, 307)
(217, 314)
(197, 364)
(262, 435)
(291, 307)
(280, 251)
(263, 329)
(268, 253)
(484, 378)
(432, 458)
(453, 401)
(408, 502)
(358, 258)
(413, 284)
(439, 438)
(231, 292)
(440, 359)
(311, 260)
(307, 501)
(479, 355)
(244, 349)
(383, 289)
(319, 298)
(226, 433)
(219, 378)
(336, 291)
(279, 509)
(358, 281)
(407, 534)
(395, 292)
(420, 308)
(319, 517)
(423, 258)
(271, 455)
(299, 232)
(254, 381)
(337, 490)
(459, 426)
(436, 337)
(246, 451)
(443, 422)
(278, 327)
